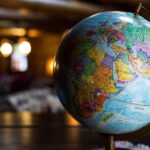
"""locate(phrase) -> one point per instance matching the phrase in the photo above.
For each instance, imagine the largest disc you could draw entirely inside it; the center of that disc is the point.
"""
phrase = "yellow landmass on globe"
(120, 49)
(146, 72)
(109, 86)
(112, 90)
(97, 55)
(125, 76)
(123, 71)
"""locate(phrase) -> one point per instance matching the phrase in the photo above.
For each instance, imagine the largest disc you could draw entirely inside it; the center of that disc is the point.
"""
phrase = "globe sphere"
(102, 72)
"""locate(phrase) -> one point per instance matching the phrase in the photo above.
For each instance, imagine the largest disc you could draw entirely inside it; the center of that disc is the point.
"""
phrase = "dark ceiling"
(56, 15)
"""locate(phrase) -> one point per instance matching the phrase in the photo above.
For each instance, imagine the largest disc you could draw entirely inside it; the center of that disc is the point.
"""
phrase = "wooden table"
(25, 131)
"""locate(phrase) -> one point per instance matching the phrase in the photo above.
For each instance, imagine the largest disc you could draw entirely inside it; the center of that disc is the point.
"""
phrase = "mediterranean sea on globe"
(102, 72)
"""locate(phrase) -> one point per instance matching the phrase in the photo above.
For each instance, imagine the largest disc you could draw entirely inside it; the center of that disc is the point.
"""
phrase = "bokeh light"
(24, 47)
(6, 49)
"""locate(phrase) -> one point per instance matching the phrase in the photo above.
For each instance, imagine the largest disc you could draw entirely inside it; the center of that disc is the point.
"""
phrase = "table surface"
(26, 131)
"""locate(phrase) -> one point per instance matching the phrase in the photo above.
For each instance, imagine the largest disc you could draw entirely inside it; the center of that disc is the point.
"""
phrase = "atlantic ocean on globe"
(102, 72)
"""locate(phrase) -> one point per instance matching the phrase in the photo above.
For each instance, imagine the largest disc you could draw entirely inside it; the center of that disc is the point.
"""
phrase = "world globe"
(102, 72)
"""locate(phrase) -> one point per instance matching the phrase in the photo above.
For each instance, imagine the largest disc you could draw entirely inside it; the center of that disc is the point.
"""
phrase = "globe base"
(110, 145)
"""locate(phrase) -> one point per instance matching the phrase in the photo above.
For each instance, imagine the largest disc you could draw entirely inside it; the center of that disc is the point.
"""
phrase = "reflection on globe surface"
(102, 72)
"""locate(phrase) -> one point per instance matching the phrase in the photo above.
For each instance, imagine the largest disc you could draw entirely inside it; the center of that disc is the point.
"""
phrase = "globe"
(102, 72)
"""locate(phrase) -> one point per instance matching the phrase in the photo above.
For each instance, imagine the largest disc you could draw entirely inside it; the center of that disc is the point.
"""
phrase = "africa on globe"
(102, 72)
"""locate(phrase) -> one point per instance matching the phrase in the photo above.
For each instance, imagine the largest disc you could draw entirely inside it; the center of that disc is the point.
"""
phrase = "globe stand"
(110, 145)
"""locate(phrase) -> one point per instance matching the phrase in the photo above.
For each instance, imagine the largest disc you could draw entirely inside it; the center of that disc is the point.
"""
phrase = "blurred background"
(30, 34)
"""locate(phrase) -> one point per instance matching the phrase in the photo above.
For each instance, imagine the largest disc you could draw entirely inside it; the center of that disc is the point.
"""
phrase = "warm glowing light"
(8, 118)
(13, 32)
(24, 11)
(26, 118)
(24, 47)
(71, 121)
(6, 49)
(34, 33)
(49, 66)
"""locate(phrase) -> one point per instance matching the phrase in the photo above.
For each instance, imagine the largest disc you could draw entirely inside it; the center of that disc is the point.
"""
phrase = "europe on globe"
(102, 72)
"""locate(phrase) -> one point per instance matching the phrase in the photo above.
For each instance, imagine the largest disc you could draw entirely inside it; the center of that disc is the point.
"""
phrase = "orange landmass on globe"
(102, 78)
(88, 103)
(100, 100)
